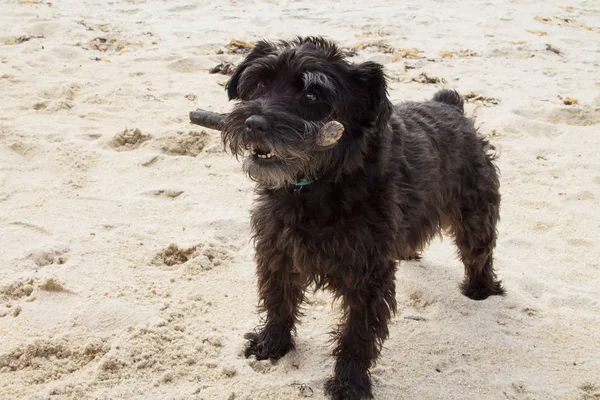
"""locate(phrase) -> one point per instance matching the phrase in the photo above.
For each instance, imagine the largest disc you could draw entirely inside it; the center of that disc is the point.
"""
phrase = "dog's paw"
(269, 343)
(482, 292)
(351, 389)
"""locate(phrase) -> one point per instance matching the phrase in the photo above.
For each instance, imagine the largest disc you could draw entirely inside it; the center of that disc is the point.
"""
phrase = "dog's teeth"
(263, 155)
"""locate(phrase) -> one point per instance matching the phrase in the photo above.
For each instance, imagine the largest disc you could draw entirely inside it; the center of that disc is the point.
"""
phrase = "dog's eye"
(310, 96)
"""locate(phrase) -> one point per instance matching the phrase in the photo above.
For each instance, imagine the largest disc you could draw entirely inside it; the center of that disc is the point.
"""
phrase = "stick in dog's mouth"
(328, 136)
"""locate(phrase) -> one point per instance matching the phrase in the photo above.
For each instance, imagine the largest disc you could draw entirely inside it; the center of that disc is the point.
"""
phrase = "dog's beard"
(289, 147)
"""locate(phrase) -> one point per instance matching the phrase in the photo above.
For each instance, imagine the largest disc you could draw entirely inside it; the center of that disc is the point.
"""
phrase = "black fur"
(397, 177)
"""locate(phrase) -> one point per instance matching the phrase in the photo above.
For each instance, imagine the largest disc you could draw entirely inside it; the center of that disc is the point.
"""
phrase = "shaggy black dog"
(341, 218)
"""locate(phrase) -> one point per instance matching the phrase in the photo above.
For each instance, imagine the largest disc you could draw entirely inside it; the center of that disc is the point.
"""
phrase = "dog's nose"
(257, 124)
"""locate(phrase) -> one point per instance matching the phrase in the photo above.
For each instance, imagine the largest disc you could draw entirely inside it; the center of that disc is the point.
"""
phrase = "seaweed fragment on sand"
(553, 49)
(539, 33)
(562, 21)
(379, 45)
(424, 78)
(477, 98)
(372, 34)
(457, 53)
(23, 39)
(412, 53)
(224, 68)
(236, 46)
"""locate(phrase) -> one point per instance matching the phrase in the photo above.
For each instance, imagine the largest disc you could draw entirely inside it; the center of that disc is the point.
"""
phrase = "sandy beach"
(127, 271)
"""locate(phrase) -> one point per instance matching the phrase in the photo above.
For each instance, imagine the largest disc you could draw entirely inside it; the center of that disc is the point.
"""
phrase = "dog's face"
(287, 92)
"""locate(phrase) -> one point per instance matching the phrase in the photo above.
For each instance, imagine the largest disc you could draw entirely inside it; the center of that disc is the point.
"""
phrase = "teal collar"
(305, 181)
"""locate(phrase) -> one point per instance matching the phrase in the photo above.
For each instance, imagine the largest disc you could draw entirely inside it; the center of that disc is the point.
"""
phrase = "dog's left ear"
(370, 87)
(261, 49)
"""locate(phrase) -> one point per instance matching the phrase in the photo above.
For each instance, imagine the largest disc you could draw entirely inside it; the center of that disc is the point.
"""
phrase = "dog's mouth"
(263, 153)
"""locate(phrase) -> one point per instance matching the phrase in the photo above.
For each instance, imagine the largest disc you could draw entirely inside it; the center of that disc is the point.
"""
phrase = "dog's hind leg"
(367, 309)
(281, 292)
(474, 228)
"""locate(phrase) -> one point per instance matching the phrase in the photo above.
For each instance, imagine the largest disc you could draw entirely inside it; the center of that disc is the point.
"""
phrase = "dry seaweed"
(424, 78)
(236, 46)
(23, 39)
(386, 48)
(457, 53)
(477, 98)
(412, 53)
(553, 49)
(372, 34)
(112, 44)
(539, 33)
(224, 68)
(349, 52)
(585, 10)
(562, 21)
(85, 25)
(569, 101)
(379, 45)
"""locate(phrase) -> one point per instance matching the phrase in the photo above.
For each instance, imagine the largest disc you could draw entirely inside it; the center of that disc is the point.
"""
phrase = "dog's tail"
(450, 97)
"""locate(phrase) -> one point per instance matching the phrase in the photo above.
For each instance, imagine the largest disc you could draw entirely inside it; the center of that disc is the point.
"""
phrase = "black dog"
(340, 218)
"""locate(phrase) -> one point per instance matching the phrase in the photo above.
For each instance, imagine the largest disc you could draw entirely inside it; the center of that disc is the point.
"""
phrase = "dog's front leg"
(368, 306)
(281, 292)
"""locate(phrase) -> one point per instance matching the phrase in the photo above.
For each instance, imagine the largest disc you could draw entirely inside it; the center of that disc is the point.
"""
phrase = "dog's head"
(287, 92)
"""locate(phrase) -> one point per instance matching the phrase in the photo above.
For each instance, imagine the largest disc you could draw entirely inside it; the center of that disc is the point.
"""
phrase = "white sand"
(90, 310)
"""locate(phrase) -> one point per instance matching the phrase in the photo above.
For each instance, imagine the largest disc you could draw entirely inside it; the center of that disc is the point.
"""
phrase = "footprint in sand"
(129, 139)
(44, 256)
(11, 293)
(579, 242)
(543, 226)
(260, 366)
(17, 290)
(112, 44)
(580, 116)
(173, 255)
(530, 312)
(192, 65)
(50, 359)
(25, 288)
(190, 143)
(156, 351)
(195, 259)
(420, 300)
(164, 193)
(582, 195)
(60, 98)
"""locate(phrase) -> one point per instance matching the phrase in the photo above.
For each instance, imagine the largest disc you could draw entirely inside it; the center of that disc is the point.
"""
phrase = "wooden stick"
(328, 136)
(208, 119)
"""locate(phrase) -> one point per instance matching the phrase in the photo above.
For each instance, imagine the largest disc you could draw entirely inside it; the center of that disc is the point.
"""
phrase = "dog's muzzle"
(256, 129)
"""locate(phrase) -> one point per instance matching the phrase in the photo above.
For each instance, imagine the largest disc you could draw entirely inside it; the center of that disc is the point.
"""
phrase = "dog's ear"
(370, 88)
(261, 49)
